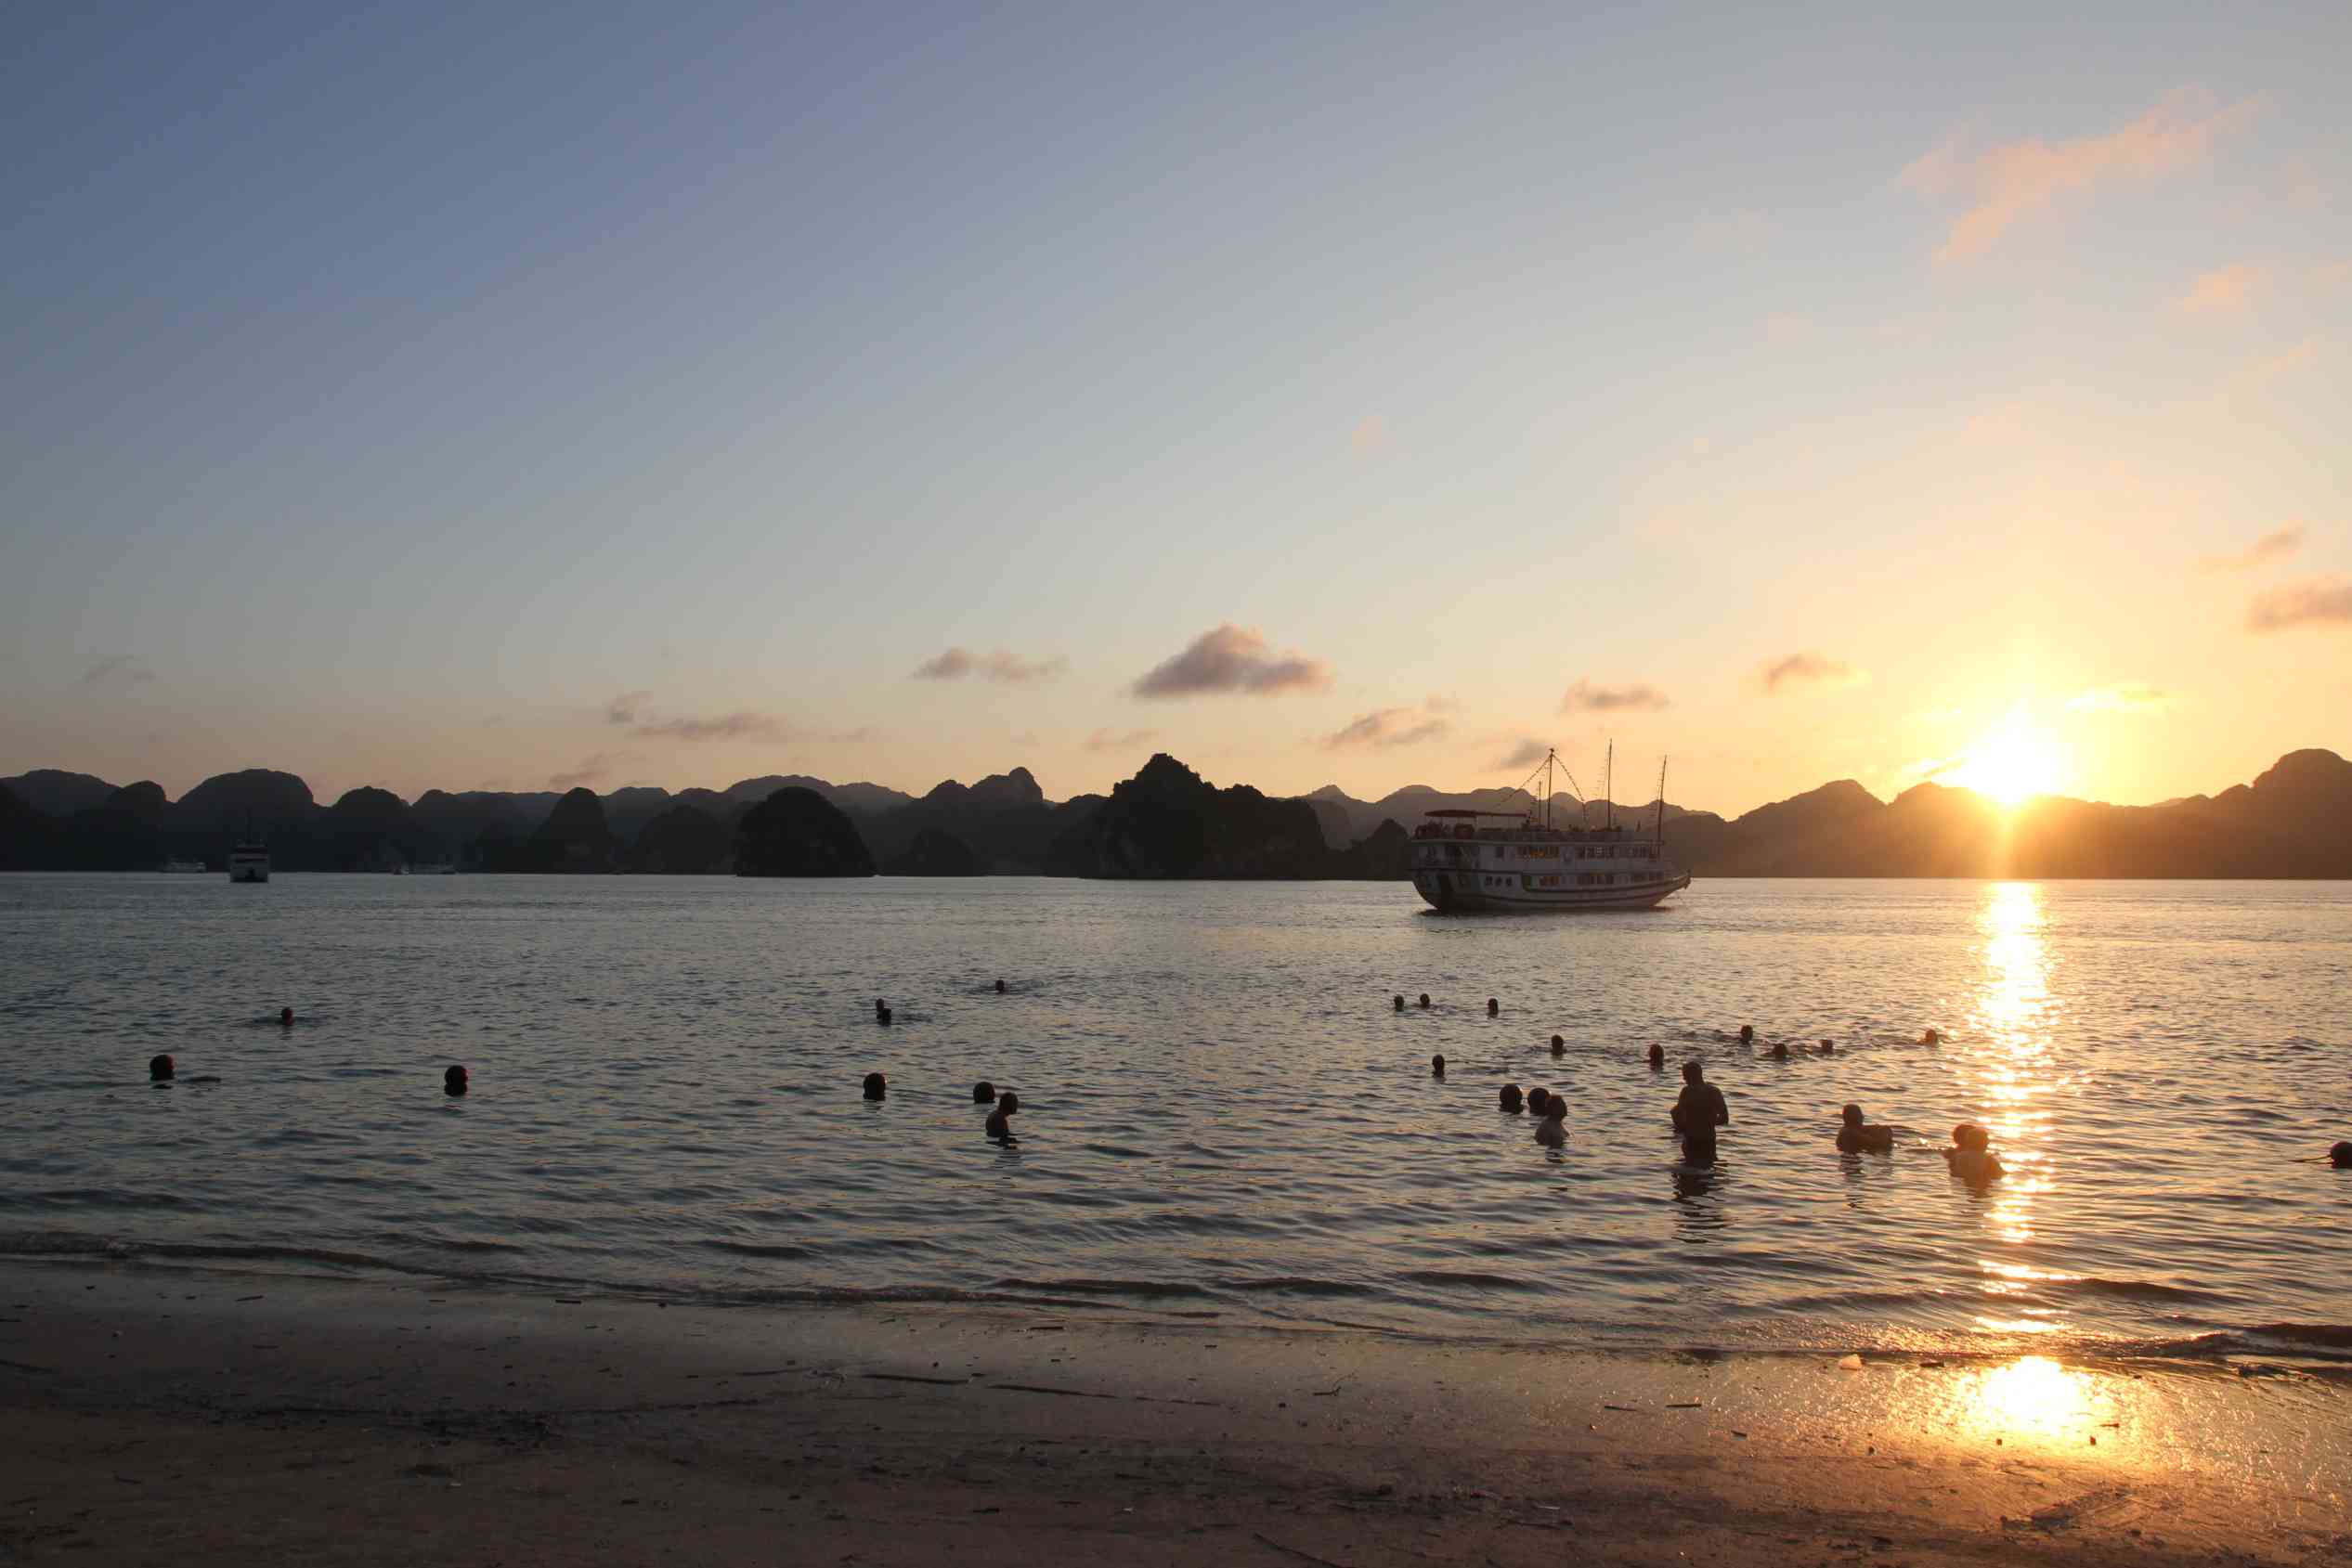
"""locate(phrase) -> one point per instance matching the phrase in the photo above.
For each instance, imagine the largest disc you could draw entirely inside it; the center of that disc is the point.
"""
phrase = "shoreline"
(185, 1414)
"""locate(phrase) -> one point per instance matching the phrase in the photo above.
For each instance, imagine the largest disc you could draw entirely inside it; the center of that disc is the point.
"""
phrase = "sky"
(521, 398)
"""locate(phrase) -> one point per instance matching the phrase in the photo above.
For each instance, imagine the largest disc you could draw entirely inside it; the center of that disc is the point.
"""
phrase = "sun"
(2012, 764)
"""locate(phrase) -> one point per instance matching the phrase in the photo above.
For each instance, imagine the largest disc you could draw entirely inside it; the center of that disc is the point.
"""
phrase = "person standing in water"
(1970, 1158)
(1857, 1136)
(1551, 1132)
(1000, 1129)
(1699, 1110)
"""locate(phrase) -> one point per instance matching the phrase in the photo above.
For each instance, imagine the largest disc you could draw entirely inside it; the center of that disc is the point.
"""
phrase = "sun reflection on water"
(2033, 1399)
(2012, 1027)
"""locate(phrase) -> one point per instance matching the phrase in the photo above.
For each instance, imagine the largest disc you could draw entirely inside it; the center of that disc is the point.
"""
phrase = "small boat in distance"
(1460, 864)
(183, 868)
(249, 862)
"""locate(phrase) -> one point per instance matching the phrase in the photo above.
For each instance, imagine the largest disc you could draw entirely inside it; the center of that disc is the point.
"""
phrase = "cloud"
(2276, 545)
(2119, 699)
(1232, 658)
(591, 767)
(1103, 739)
(1387, 727)
(634, 711)
(957, 663)
(1807, 669)
(1527, 754)
(2015, 179)
(1436, 704)
(2315, 599)
(117, 670)
(2225, 288)
(1585, 697)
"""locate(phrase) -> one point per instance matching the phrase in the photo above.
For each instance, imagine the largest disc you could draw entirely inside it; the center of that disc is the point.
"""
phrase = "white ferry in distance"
(1524, 864)
(249, 862)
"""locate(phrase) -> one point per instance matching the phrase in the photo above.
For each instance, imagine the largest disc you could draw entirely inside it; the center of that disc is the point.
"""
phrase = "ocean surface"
(1222, 1115)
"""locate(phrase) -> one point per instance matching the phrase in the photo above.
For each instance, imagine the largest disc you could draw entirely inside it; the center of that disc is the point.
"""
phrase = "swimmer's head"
(2340, 1156)
(1932, 1037)
(984, 1092)
(1511, 1097)
(1007, 1102)
(876, 1085)
(1538, 1098)
(1000, 987)
(1657, 1054)
(1424, 999)
(1437, 1067)
(1969, 1135)
(1747, 1034)
(1780, 1050)
(1400, 1004)
(285, 1014)
(881, 1015)
(159, 1067)
(1493, 1006)
(453, 1081)
(1851, 1116)
(880, 1005)
(1558, 1046)
(1693, 1073)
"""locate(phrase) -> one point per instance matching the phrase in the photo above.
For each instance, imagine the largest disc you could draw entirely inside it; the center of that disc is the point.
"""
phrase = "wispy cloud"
(1585, 697)
(2120, 699)
(1809, 670)
(592, 769)
(1126, 740)
(1525, 754)
(2013, 179)
(1387, 727)
(117, 670)
(635, 712)
(2276, 545)
(2225, 287)
(628, 708)
(2315, 599)
(957, 663)
(1232, 658)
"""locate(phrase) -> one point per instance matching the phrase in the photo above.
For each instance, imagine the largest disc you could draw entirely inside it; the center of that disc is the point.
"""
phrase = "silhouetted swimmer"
(453, 1081)
(2340, 1156)
(1400, 1004)
(1969, 1157)
(1000, 1128)
(1699, 1110)
(1549, 1131)
(1493, 1007)
(1932, 1037)
(881, 1015)
(1857, 1136)
(1826, 1048)
(1779, 1052)
(1424, 1001)
(1436, 1067)
(161, 1067)
(1511, 1099)
(984, 1092)
(285, 1017)
(1559, 1046)
(1657, 1056)
(1538, 1097)
(1000, 987)
(1747, 1034)
(876, 1085)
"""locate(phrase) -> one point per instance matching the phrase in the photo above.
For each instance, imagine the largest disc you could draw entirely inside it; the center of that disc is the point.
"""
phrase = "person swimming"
(984, 1092)
(1559, 1046)
(1424, 1002)
(1538, 1097)
(1399, 1000)
(285, 1017)
(1000, 1128)
(1436, 1067)
(1828, 1046)
(1747, 1034)
(1000, 987)
(1699, 1110)
(1493, 1007)
(1932, 1037)
(1969, 1157)
(1779, 1052)
(1856, 1136)
(1549, 1131)
(876, 1085)
(881, 1014)
(1510, 1099)
(160, 1069)
(2340, 1155)
(1657, 1054)
(454, 1081)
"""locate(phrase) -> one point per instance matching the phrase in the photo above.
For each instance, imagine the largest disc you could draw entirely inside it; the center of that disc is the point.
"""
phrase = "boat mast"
(1548, 755)
(1608, 787)
(1661, 801)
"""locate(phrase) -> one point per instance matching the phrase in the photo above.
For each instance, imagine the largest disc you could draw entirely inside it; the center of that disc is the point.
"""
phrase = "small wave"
(759, 1249)
(1108, 1286)
(1469, 1279)
(1293, 1285)
(2139, 1290)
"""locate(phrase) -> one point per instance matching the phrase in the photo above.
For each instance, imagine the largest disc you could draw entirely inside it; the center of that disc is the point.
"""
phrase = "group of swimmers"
(1000, 1129)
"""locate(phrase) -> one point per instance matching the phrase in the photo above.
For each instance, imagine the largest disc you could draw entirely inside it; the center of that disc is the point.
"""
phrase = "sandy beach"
(175, 1416)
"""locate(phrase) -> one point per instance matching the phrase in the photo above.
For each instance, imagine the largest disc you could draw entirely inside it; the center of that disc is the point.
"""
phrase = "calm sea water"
(1222, 1113)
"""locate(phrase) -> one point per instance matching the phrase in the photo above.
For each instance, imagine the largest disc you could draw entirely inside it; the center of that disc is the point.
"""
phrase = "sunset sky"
(433, 396)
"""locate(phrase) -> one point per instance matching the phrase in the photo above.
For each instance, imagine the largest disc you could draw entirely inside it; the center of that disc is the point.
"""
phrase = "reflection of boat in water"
(249, 862)
(1524, 864)
(183, 868)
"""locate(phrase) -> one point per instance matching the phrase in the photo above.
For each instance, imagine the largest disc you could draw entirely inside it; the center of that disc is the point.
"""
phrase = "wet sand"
(159, 1415)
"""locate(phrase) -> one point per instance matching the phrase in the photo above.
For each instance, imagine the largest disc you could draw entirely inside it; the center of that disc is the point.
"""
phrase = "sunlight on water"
(2012, 1026)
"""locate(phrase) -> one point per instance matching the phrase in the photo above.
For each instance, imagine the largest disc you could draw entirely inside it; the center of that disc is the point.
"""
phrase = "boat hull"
(1459, 892)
